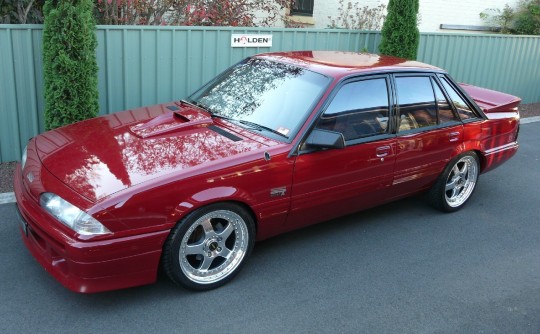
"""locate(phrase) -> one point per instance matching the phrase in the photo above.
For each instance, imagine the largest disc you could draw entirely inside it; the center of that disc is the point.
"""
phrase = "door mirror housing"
(325, 139)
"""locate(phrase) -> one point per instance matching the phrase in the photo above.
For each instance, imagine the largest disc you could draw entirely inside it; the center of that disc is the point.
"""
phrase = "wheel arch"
(474, 147)
(219, 195)
(481, 159)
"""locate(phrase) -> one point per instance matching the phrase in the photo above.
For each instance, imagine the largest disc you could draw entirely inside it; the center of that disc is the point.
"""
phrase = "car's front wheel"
(209, 247)
(456, 184)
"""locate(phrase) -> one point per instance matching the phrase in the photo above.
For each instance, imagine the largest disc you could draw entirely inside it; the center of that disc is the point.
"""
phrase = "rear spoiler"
(491, 100)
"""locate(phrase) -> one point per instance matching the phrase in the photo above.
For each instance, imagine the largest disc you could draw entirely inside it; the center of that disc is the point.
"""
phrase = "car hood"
(104, 155)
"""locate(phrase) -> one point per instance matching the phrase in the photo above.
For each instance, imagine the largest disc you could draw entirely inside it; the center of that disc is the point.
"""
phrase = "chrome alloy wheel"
(213, 247)
(461, 181)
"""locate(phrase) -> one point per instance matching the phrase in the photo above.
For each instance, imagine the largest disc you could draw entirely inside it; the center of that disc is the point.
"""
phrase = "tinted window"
(462, 108)
(359, 109)
(417, 108)
(446, 114)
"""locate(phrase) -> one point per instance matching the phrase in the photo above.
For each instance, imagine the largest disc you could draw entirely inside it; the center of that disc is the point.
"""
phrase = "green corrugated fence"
(141, 65)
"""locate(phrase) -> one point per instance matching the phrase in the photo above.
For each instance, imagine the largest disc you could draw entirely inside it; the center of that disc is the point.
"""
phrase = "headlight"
(23, 159)
(71, 216)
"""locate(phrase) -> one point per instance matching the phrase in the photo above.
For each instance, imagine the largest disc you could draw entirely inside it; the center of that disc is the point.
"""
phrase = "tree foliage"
(523, 20)
(499, 19)
(69, 61)
(165, 12)
(354, 16)
(400, 35)
(21, 11)
(192, 12)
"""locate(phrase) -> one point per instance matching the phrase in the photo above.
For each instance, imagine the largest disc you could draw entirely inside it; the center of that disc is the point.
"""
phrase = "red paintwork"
(492, 101)
(141, 171)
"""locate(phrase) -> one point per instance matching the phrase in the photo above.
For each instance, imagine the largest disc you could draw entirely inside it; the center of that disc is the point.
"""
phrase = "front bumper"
(86, 266)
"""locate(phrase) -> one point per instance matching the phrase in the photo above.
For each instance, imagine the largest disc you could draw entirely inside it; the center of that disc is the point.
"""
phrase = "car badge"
(278, 192)
(30, 177)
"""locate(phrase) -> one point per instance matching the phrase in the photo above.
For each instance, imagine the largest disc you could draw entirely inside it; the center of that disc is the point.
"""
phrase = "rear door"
(331, 182)
(428, 133)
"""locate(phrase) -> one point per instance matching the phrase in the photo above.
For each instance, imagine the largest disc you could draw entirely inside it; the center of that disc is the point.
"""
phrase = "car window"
(464, 111)
(358, 110)
(417, 108)
(446, 114)
(275, 95)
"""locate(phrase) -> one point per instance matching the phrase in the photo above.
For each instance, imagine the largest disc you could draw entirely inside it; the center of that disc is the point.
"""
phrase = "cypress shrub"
(69, 61)
(400, 35)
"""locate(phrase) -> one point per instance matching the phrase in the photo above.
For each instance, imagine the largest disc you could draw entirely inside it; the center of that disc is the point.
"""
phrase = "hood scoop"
(171, 122)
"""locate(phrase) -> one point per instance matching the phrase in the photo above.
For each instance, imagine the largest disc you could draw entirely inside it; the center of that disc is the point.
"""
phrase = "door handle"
(453, 136)
(382, 151)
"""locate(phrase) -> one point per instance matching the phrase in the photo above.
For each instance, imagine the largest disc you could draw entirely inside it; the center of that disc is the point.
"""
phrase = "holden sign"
(250, 41)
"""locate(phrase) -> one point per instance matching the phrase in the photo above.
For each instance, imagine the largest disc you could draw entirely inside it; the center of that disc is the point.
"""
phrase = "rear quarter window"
(464, 111)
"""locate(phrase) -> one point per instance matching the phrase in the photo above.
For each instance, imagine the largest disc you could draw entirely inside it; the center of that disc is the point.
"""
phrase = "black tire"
(209, 247)
(456, 184)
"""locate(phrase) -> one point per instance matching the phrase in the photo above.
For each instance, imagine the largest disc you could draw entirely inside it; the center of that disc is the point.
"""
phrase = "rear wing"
(490, 100)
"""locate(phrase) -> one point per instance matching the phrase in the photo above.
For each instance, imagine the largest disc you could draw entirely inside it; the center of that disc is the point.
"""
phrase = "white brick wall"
(433, 12)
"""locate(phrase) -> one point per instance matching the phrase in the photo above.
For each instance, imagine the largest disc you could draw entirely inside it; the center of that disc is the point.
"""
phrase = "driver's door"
(332, 182)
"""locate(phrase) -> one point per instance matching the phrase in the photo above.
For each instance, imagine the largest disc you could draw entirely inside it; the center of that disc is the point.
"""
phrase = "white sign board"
(250, 41)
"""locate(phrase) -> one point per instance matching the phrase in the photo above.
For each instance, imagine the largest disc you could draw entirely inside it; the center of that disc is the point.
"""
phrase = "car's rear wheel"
(456, 184)
(209, 247)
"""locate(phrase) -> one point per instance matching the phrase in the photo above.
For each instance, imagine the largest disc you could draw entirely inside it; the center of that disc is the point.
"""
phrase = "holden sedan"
(276, 142)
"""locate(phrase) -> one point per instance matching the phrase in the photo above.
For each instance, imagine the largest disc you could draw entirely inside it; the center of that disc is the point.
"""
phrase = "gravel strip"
(6, 168)
(6, 176)
(529, 110)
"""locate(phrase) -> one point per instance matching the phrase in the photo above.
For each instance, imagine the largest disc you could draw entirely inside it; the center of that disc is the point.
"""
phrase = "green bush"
(523, 20)
(528, 18)
(400, 35)
(69, 61)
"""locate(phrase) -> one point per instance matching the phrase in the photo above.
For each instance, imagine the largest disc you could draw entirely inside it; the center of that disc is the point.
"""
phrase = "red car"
(276, 142)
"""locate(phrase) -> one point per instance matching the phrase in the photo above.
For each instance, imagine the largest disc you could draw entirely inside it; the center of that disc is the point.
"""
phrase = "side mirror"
(325, 139)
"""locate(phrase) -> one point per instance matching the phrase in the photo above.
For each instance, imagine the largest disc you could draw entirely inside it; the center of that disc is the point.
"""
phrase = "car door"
(428, 133)
(331, 182)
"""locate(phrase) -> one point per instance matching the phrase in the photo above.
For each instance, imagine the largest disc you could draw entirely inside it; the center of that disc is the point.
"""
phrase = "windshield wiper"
(252, 125)
(199, 105)
(224, 117)
(261, 127)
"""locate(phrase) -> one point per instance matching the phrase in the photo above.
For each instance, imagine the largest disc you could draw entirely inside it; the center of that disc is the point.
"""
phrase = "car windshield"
(267, 96)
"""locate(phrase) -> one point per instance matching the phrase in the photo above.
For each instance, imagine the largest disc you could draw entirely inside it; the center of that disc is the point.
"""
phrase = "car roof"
(339, 63)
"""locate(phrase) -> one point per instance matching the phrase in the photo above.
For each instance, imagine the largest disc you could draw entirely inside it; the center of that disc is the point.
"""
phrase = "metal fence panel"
(506, 63)
(141, 65)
